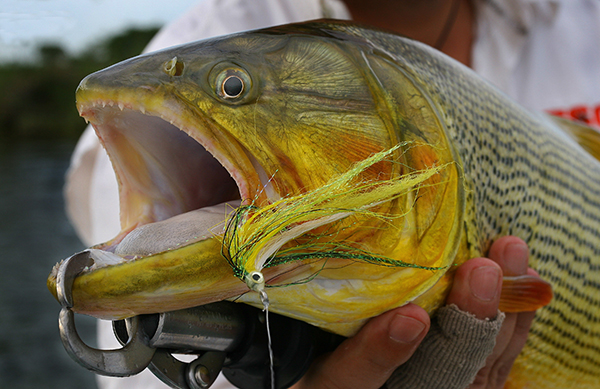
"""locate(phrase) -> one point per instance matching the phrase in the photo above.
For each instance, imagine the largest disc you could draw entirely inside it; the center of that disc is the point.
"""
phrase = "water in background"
(35, 234)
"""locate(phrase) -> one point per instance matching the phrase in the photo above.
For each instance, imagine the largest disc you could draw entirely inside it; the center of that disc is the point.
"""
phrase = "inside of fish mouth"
(191, 193)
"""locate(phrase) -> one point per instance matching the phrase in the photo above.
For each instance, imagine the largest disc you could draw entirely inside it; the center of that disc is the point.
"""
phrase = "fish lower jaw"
(165, 235)
(178, 183)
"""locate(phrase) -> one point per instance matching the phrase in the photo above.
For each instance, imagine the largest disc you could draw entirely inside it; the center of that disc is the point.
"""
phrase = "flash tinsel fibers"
(254, 236)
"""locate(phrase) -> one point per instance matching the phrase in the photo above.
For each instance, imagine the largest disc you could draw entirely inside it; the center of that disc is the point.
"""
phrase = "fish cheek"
(316, 108)
(439, 204)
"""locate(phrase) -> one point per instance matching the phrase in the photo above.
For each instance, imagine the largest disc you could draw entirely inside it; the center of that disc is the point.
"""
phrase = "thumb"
(369, 358)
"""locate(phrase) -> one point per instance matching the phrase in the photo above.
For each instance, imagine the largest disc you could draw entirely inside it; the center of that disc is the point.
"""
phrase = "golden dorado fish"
(344, 171)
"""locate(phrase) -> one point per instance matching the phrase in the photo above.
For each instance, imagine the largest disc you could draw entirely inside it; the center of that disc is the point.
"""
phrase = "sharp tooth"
(121, 106)
(103, 104)
(143, 109)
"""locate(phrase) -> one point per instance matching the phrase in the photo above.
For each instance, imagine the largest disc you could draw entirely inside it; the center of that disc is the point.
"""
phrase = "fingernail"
(515, 258)
(483, 282)
(405, 329)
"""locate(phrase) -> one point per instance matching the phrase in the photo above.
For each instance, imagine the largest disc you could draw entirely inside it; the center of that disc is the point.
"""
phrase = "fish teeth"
(143, 110)
(121, 105)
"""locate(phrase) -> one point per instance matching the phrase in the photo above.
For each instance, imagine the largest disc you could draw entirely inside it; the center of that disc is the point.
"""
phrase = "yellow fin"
(587, 137)
(524, 293)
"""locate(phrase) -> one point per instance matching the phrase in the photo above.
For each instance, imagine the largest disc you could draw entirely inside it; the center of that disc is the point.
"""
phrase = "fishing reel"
(223, 336)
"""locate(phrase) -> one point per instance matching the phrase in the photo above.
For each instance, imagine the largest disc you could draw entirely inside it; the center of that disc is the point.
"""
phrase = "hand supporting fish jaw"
(393, 348)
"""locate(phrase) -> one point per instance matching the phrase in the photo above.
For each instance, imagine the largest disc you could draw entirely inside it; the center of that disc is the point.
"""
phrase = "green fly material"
(254, 236)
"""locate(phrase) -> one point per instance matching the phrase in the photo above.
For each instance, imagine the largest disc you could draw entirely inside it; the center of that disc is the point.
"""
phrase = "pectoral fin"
(587, 137)
(524, 293)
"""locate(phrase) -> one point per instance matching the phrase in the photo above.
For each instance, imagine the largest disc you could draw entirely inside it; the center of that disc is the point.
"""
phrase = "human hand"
(386, 342)
(369, 358)
(511, 254)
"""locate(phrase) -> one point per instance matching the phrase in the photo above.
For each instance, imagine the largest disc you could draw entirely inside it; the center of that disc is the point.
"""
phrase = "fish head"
(264, 105)
(253, 119)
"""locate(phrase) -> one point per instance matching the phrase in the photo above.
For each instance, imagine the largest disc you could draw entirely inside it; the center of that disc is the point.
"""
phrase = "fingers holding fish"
(498, 366)
(512, 255)
(470, 342)
(369, 358)
(389, 340)
(477, 287)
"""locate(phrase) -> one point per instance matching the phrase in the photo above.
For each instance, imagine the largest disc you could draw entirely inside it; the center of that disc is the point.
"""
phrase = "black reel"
(235, 336)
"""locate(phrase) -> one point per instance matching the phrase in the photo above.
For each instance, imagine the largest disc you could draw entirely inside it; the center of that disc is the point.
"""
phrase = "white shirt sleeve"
(544, 54)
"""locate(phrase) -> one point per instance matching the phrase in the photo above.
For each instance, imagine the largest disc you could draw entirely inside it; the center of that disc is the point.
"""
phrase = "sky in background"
(75, 24)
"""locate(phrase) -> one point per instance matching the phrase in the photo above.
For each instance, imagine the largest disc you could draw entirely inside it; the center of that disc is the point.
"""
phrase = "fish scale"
(519, 175)
(549, 185)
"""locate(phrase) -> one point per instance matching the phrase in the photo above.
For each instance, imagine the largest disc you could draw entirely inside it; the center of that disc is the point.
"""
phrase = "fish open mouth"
(177, 183)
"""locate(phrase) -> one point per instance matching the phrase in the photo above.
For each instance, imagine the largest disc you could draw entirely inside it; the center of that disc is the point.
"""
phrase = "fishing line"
(264, 299)
(256, 282)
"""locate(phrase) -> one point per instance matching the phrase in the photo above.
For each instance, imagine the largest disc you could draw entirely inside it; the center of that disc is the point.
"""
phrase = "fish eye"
(232, 84)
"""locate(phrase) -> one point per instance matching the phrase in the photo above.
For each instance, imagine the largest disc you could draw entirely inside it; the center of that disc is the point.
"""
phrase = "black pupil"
(233, 86)
(256, 277)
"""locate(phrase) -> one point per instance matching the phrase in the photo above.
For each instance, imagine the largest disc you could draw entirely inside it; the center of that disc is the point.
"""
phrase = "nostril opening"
(173, 67)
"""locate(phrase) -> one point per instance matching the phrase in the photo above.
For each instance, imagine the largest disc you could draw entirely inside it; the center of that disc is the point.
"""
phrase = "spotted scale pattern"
(523, 177)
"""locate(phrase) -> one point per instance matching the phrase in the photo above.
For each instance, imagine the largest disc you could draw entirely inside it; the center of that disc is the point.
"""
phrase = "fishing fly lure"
(259, 237)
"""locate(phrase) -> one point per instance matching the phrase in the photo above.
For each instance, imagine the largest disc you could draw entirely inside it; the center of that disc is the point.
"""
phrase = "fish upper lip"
(168, 193)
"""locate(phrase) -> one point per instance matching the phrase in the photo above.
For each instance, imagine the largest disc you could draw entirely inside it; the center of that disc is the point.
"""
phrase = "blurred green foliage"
(37, 100)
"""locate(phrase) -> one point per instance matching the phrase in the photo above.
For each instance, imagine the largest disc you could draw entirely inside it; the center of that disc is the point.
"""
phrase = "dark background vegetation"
(37, 100)
(39, 126)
